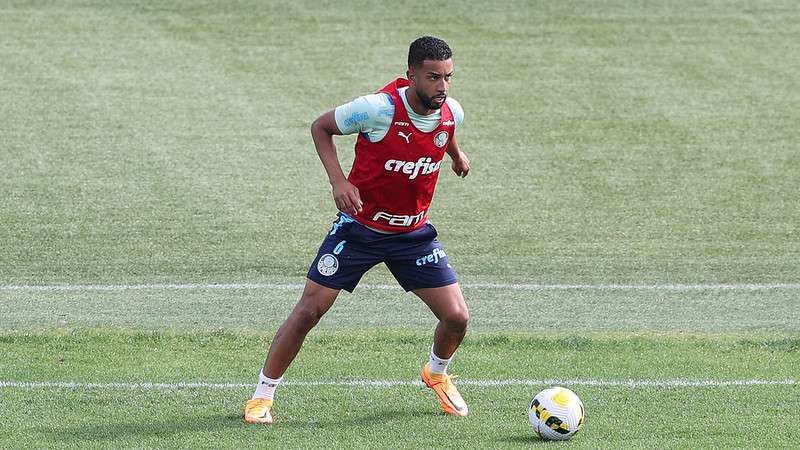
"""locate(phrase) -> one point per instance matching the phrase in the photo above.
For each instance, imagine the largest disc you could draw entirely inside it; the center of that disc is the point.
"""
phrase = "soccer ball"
(556, 414)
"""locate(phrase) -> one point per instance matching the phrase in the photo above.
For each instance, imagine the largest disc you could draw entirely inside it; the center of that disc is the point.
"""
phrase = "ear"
(410, 75)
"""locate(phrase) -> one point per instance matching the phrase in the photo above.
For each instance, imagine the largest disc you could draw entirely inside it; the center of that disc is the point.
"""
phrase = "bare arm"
(461, 164)
(345, 195)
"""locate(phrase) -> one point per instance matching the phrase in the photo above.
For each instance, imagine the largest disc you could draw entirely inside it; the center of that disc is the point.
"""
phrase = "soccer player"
(404, 131)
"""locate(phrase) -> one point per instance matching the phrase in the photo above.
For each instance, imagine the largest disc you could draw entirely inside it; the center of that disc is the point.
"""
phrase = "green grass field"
(629, 229)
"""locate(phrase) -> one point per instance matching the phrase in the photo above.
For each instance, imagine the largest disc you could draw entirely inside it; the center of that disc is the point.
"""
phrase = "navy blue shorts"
(416, 259)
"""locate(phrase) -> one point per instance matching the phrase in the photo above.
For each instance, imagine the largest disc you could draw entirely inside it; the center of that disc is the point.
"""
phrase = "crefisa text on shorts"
(434, 257)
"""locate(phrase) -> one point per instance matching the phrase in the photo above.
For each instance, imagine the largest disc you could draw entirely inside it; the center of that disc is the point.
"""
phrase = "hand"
(347, 197)
(461, 164)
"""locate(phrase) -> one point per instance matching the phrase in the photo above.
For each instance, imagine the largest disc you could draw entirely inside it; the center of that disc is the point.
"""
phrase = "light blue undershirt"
(372, 115)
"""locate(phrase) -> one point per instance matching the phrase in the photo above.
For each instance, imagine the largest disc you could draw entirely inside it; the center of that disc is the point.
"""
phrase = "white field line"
(677, 383)
(485, 286)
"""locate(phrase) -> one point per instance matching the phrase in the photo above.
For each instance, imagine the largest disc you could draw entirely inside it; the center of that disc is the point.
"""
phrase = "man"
(404, 131)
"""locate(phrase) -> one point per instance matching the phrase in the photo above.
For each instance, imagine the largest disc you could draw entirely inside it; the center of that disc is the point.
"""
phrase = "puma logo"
(406, 137)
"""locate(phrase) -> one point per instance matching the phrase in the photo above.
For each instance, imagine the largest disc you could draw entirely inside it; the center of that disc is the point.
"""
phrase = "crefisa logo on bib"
(327, 265)
(441, 138)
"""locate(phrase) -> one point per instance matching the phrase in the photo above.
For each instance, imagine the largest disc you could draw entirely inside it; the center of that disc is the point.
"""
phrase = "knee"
(313, 304)
(305, 317)
(457, 320)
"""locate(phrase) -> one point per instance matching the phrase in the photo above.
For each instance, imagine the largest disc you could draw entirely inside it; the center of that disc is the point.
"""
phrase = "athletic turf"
(403, 416)
(613, 143)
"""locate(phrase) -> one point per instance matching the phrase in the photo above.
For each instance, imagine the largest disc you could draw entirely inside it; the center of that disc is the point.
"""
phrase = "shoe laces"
(259, 402)
(445, 378)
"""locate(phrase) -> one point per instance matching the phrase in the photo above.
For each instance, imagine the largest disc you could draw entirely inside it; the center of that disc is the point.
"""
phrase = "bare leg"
(315, 301)
(447, 304)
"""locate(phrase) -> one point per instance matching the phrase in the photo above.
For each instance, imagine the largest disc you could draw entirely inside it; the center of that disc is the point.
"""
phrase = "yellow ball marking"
(561, 397)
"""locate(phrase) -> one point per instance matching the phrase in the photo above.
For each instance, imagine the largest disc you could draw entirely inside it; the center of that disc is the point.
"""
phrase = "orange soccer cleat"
(449, 398)
(258, 410)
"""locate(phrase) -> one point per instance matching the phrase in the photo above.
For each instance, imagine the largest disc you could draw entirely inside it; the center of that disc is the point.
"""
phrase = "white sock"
(266, 387)
(439, 365)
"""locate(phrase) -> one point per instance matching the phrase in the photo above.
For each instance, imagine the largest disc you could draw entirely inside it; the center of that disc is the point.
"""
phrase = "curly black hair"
(428, 47)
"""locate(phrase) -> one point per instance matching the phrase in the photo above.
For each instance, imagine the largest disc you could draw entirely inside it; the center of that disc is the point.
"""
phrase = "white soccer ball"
(556, 414)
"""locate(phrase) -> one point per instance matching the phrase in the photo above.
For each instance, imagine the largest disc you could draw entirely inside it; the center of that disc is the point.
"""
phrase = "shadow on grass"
(523, 439)
(164, 429)
(374, 417)
(142, 429)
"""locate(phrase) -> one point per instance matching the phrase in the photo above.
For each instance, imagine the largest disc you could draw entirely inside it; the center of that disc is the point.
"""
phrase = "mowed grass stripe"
(323, 417)
(630, 382)
(571, 311)
(394, 383)
(486, 286)
(100, 355)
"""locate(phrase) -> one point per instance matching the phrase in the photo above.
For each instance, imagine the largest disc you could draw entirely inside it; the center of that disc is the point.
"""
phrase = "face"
(431, 81)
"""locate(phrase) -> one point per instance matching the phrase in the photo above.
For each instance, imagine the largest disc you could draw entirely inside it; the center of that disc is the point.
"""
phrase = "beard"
(428, 101)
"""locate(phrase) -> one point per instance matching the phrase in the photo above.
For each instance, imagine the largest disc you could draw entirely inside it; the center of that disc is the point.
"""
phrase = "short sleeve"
(368, 114)
(457, 110)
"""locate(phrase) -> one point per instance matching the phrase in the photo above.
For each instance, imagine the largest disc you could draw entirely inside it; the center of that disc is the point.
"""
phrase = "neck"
(416, 104)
